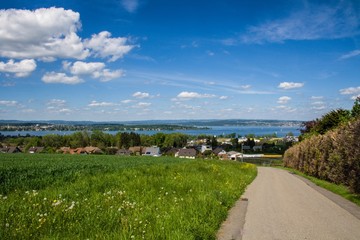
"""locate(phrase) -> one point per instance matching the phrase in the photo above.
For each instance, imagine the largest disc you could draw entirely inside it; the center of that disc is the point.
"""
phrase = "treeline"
(330, 148)
(52, 142)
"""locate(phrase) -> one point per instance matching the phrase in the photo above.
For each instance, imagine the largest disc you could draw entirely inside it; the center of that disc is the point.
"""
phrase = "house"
(232, 155)
(218, 150)
(205, 148)
(64, 150)
(8, 149)
(36, 149)
(93, 150)
(123, 152)
(171, 151)
(136, 150)
(186, 153)
(152, 151)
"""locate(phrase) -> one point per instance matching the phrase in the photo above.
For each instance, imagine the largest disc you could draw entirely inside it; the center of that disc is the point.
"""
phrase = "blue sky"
(119, 60)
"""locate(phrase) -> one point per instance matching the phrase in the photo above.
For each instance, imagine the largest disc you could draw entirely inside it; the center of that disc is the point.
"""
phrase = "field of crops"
(109, 197)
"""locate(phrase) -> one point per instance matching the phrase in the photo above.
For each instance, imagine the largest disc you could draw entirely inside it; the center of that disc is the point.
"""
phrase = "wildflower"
(7, 225)
(56, 202)
(5, 197)
(71, 206)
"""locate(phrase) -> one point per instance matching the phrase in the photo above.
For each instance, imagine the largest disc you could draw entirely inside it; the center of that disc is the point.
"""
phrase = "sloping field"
(108, 197)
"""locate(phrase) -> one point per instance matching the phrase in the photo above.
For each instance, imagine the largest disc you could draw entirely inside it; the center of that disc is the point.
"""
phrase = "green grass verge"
(337, 189)
(109, 197)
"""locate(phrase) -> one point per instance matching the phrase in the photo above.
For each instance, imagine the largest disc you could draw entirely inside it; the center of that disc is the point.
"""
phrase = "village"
(210, 147)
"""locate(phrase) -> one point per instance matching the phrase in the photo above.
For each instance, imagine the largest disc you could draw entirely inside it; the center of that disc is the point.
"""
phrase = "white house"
(152, 151)
(205, 148)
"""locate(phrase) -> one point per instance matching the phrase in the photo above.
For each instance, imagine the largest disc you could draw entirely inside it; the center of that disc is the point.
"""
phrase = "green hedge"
(334, 156)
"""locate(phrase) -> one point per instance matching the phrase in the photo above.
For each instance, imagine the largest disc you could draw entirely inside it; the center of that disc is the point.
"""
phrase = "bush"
(333, 156)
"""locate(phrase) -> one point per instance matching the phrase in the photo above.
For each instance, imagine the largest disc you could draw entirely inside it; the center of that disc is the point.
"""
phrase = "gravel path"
(282, 206)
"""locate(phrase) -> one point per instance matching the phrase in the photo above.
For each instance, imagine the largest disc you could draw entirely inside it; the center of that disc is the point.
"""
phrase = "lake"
(213, 131)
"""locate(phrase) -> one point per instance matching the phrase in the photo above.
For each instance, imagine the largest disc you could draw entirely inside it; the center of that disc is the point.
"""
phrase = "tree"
(332, 120)
(214, 142)
(355, 112)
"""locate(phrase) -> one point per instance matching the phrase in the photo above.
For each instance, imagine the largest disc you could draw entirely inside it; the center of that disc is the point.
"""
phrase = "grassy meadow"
(110, 197)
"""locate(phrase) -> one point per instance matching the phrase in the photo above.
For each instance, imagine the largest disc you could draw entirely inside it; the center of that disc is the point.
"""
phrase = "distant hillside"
(204, 122)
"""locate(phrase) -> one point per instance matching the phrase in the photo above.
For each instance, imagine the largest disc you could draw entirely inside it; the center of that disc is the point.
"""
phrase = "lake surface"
(213, 130)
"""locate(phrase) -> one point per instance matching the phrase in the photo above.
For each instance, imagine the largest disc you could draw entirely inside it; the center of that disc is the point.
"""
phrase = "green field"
(109, 197)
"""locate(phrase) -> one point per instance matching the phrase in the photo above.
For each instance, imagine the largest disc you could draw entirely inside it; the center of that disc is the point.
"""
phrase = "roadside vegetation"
(330, 148)
(51, 196)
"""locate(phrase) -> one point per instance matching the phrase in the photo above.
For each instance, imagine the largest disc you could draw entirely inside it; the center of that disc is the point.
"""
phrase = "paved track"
(282, 206)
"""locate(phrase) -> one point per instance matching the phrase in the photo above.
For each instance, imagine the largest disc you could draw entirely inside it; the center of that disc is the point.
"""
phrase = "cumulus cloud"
(284, 100)
(141, 95)
(223, 97)
(53, 77)
(22, 68)
(102, 45)
(83, 68)
(51, 33)
(41, 33)
(290, 85)
(95, 69)
(190, 95)
(315, 21)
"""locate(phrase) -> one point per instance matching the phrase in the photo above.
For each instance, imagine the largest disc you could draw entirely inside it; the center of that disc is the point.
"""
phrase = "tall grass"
(107, 197)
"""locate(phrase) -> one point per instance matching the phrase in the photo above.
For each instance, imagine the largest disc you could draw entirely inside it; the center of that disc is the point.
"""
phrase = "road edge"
(232, 228)
(349, 206)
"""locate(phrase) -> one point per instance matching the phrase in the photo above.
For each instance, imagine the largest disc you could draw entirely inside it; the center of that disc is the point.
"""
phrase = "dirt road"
(281, 206)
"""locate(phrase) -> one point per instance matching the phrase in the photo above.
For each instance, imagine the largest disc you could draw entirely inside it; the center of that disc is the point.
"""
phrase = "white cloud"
(354, 91)
(43, 33)
(84, 68)
(350, 54)
(290, 85)
(190, 95)
(107, 75)
(223, 97)
(8, 103)
(143, 105)
(284, 100)
(310, 23)
(22, 68)
(51, 33)
(317, 97)
(53, 77)
(102, 45)
(141, 95)
(350, 91)
(101, 104)
(355, 97)
(95, 69)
